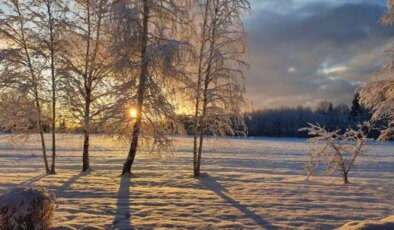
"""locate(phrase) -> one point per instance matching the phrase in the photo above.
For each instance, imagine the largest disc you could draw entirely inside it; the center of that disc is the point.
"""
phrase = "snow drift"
(386, 223)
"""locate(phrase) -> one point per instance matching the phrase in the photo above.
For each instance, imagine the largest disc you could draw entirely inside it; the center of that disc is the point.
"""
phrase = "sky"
(305, 51)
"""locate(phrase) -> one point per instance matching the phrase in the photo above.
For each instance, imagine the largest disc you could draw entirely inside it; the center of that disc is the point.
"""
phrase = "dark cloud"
(305, 51)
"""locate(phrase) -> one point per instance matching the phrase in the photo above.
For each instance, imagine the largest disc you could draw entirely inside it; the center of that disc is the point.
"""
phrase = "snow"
(386, 223)
(248, 183)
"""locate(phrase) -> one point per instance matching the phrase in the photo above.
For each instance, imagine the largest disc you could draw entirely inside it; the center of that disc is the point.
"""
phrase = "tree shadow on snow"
(210, 182)
(71, 181)
(123, 211)
(31, 181)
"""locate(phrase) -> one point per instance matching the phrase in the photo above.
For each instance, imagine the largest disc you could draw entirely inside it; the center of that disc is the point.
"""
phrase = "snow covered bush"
(335, 151)
(26, 208)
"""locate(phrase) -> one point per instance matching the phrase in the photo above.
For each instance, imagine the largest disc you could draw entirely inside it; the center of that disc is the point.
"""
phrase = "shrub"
(26, 208)
(335, 151)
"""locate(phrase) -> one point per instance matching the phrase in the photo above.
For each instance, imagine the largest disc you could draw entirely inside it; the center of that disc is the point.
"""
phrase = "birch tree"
(86, 71)
(158, 56)
(378, 93)
(22, 66)
(221, 64)
(51, 23)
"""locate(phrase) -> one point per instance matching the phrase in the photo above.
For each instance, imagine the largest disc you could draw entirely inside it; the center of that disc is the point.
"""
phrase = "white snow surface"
(383, 224)
(255, 183)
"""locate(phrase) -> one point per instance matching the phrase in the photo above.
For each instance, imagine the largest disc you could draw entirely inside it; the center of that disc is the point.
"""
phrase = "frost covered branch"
(334, 151)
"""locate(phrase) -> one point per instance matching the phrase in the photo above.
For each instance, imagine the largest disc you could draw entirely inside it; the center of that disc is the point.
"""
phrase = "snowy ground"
(253, 183)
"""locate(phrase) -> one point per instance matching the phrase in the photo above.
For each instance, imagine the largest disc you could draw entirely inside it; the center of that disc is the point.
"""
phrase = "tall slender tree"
(141, 88)
(159, 61)
(87, 68)
(22, 68)
(220, 71)
(51, 23)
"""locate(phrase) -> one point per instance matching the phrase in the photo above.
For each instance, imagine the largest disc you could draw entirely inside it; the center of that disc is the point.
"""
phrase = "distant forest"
(286, 121)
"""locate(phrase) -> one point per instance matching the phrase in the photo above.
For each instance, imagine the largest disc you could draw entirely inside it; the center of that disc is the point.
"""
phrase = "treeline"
(286, 122)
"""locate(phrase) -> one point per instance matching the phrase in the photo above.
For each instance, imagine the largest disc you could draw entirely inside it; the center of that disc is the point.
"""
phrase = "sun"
(133, 113)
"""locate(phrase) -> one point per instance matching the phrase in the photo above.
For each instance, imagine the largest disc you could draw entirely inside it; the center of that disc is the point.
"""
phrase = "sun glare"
(133, 113)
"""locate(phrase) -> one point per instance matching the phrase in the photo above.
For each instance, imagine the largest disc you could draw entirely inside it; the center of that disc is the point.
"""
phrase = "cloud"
(303, 50)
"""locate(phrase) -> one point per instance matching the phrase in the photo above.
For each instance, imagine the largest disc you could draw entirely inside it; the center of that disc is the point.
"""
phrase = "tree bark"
(44, 152)
(345, 179)
(87, 85)
(196, 171)
(86, 136)
(140, 92)
(85, 155)
(202, 123)
(52, 54)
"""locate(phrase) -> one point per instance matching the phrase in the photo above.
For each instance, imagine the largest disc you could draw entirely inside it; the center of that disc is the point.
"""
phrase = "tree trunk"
(41, 132)
(86, 135)
(202, 125)
(133, 147)
(344, 177)
(87, 85)
(52, 53)
(201, 135)
(85, 155)
(197, 170)
(196, 163)
(53, 136)
(140, 92)
(44, 151)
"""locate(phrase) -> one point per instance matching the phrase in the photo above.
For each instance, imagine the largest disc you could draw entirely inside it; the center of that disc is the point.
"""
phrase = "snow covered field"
(252, 183)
